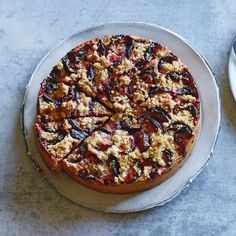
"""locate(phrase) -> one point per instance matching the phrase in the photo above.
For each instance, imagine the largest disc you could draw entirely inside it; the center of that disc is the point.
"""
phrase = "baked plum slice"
(122, 45)
(167, 157)
(114, 165)
(147, 75)
(190, 107)
(66, 65)
(154, 164)
(78, 134)
(191, 90)
(170, 58)
(184, 91)
(141, 139)
(140, 64)
(159, 115)
(101, 49)
(156, 90)
(90, 71)
(51, 84)
(59, 138)
(182, 135)
(48, 99)
(129, 46)
(180, 75)
(151, 51)
(179, 127)
(155, 123)
(104, 130)
(81, 53)
(130, 128)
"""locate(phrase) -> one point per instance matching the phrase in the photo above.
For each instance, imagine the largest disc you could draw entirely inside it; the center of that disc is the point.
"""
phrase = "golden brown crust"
(51, 161)
(125, 188)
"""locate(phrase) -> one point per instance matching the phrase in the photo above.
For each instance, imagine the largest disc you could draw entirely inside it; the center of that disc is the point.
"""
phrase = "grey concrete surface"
(28, 204)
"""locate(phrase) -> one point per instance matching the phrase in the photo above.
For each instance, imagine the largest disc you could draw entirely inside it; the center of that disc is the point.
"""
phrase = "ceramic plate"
(232, 68)
(202, 150)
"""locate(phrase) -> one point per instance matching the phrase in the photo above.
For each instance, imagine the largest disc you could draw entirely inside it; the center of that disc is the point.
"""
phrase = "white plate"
(232, 69)
(204, 145)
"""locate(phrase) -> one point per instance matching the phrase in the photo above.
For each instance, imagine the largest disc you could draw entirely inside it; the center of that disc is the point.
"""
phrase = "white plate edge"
(228, 68)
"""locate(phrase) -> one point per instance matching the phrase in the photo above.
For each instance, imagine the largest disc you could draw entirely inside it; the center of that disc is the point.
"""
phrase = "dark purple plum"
(51, 84)
(74, 94)
(82, 147)
(104, 130)
(114, 165)
(59, 138)
(49, 99)
(101, 49)
(129, 46)
(147, 75)
(138, 164)
(130, 129)
(179, 127)
(170, 58)
(190, 107)
(74, 124)
(54, 73)
(78, 134)
(193, 110)
(184, 91)
(167, 157)
(149, 52)
(140, 63)
(155, 123)
(159, 114)
(178, 76)
(66, 65)
(155, 90)
(79, 56)
(90, 72)
(142, 141)
(77, 160)
(118, 36)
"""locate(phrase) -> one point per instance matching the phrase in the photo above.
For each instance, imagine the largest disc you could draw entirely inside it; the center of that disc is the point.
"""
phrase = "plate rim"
(218, 100)
(228, 67)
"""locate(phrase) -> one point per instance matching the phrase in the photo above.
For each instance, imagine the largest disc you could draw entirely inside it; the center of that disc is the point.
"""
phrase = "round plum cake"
(119, 114)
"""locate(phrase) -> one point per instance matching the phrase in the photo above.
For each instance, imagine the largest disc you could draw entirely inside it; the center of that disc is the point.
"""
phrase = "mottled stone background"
(28, 204)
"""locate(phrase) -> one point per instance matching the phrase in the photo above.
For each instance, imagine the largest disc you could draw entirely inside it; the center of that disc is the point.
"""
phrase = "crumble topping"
(129, 108)
(61, 149)
(125, 66)
(175, 66)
